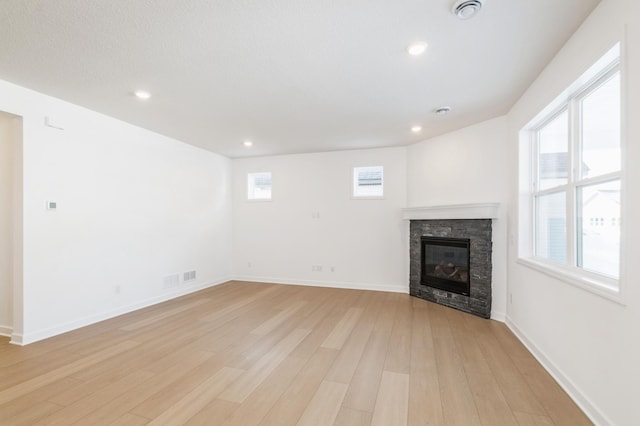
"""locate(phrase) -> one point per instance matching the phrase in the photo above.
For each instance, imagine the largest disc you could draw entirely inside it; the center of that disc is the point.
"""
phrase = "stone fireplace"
(450, 255)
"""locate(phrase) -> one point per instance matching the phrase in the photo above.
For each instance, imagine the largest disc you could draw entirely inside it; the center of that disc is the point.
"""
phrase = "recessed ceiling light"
(416, 129)
(141, 94)
(443, 110)
(466, 9)
(247, 144)
(417, 49)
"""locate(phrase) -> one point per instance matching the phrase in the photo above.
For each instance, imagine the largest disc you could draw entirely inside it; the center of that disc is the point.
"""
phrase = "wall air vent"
(171, 281)
(466, 9)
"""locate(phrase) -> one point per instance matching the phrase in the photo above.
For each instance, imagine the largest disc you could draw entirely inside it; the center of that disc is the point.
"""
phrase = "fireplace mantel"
(457, 211)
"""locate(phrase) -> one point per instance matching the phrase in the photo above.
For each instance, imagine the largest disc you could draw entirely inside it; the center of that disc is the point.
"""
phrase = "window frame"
(354, 183)
(248, 185)
(570, 101)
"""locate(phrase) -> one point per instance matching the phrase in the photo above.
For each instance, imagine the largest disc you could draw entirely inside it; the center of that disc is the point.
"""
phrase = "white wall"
(133, 207)
(590, 344)
(7, 142)
(363, 240)
(463, 167)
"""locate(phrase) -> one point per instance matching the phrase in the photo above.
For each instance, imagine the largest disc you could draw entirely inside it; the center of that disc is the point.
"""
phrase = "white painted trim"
(16, 339)
(329, 284)
(495, 315)
(498, 316)
(83, 322)
(576, 277)
(6, 331)
(596, 415)
(458, 211)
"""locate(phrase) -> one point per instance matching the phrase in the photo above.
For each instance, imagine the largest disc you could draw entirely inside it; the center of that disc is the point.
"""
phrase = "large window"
(576, 179)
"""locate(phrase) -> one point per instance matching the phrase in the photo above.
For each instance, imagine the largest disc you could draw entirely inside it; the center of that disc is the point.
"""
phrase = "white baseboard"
(590, 409)
(498, 316)
(330, 284)
(16, 339)
(6, 331)
(495, 315)
(32, 337)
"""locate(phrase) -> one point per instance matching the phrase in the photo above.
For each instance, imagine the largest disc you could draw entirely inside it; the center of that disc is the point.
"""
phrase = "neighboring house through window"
(573, 151)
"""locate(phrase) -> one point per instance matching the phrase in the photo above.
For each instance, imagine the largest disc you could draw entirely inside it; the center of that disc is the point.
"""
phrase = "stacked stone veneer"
(479, 233)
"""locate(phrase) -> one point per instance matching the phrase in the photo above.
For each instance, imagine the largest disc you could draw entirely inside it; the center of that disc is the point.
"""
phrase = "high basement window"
(259, 186)
(368, 182)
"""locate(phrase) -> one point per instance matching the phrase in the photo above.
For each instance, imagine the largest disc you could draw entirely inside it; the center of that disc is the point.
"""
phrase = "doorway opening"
(10, 226)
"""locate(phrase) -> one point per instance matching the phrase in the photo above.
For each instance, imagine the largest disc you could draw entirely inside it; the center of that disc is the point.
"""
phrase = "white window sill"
(367, 197)
(575, 278)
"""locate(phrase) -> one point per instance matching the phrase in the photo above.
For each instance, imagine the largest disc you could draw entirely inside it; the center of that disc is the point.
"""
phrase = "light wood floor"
(248, 354)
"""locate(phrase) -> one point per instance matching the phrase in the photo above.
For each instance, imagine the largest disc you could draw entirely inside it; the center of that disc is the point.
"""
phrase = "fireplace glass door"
(445, 264)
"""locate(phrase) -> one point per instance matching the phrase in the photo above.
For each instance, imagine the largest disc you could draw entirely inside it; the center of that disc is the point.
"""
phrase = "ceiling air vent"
(466, 9)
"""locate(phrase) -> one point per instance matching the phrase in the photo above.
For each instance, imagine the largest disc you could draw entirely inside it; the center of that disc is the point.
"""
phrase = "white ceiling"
(291, 75)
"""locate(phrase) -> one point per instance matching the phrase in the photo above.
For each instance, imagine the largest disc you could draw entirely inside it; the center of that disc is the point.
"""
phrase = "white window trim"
(598, 284)
(584, 280)
(365, 197)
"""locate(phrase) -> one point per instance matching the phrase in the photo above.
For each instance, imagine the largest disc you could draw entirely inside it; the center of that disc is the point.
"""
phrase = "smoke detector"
(466, 9)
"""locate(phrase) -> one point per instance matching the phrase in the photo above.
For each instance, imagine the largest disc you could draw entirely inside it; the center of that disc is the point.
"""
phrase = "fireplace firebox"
(445, 264)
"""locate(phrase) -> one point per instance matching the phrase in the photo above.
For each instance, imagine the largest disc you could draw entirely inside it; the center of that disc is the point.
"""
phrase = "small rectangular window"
(259, 186)
(368, 182)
